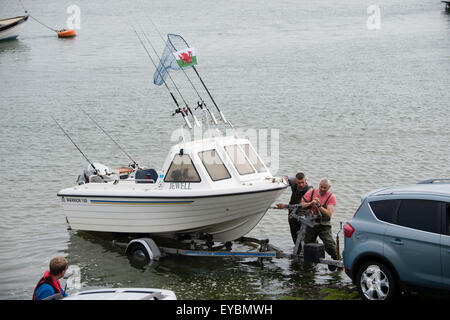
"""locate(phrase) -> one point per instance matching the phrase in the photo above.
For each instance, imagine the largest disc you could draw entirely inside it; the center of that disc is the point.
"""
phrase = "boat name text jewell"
(180, 185)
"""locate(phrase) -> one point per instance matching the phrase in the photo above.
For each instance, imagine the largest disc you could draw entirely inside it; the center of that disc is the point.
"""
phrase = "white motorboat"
(11, 27)
(217, 186)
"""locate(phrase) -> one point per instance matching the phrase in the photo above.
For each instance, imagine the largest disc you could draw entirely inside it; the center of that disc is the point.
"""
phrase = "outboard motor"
(102, 174)
(83, 178)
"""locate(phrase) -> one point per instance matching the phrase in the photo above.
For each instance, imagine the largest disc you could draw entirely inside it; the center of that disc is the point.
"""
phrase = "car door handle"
(397, 242)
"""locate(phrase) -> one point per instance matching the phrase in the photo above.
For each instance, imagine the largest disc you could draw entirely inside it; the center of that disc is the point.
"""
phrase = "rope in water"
(43, 23)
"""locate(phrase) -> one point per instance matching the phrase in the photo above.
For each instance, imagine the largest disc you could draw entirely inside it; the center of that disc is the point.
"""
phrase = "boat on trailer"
(11, 27)
(216, 187)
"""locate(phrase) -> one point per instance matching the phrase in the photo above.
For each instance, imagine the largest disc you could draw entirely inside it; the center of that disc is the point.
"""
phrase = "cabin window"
(182, 169)
(239, 160)
(214, 165)
(253, 157)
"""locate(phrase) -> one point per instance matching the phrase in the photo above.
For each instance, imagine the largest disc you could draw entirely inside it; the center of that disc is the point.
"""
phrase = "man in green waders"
(299, 187)
(323, 201)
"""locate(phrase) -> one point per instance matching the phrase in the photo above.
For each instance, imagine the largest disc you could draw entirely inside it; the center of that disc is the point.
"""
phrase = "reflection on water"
(13, 50)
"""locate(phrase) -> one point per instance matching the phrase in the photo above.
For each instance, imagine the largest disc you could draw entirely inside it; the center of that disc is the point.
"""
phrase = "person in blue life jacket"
(49, 284)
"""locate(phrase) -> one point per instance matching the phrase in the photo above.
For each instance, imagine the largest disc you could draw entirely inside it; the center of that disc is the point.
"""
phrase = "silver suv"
(398, 238)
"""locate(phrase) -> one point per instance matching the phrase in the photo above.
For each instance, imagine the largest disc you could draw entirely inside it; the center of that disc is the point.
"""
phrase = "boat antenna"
(178, 109)
(171, 79)
(134, 164)
(67, 135)
(202, 105)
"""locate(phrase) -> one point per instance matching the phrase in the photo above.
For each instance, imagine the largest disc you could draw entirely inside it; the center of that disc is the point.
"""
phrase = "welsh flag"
(186, 58)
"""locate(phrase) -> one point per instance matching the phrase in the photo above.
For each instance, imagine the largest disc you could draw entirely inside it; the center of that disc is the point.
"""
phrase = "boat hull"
(225, 217)
(12, 30)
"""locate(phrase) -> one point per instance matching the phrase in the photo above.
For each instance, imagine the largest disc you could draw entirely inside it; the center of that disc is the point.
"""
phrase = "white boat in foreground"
(217, 187)
(11, 27)
(123, 294)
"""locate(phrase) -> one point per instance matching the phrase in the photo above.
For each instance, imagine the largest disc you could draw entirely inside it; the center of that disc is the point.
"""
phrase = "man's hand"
(316, 202)
(281, 205)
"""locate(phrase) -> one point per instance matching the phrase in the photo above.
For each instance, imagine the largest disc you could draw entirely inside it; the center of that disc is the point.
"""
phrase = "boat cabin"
(219, 161)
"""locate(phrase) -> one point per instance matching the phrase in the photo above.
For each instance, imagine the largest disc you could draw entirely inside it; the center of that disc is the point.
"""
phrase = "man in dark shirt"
(299, 187)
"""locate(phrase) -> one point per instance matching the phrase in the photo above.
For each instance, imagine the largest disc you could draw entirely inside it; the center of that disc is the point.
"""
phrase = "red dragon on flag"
(186, 58)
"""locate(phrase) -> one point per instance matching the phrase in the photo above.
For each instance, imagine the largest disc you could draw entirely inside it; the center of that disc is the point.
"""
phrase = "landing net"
(168, 61)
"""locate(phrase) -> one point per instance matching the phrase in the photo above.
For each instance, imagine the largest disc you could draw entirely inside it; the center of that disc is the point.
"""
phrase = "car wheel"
(375, 282)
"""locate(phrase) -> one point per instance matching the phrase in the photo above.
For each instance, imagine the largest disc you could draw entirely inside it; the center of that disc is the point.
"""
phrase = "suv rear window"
(385, 210)
(420, 214)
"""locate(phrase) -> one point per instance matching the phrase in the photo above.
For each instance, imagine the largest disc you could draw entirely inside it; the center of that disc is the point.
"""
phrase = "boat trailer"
(147, 248)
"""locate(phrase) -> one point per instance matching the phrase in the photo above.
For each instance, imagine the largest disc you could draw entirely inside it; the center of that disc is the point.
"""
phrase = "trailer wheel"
(375, 282)
(143, 251)
(139, 253)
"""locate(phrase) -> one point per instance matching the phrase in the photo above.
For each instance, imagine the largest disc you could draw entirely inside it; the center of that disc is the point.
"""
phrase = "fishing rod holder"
(180, 110)
(200, 105)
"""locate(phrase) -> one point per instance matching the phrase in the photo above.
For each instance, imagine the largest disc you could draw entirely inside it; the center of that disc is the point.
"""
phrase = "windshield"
(253, 157)
(239, 160)
(182, 169)
(214, 165)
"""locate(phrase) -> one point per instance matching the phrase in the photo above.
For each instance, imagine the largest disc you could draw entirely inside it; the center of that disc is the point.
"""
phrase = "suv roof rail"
(438, 180)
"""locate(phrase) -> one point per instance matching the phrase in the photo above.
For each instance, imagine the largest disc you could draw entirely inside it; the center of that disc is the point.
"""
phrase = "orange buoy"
(66, 33)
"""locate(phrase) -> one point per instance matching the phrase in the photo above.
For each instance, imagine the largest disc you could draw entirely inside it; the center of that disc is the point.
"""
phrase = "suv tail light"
(348, 230)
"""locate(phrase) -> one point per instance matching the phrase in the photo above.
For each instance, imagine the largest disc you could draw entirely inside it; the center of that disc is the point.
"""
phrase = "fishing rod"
(203, 83)
(212, 99)
(117, 144)
(67, 135)
(178, 110)
(173, 82)
(201, 105)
